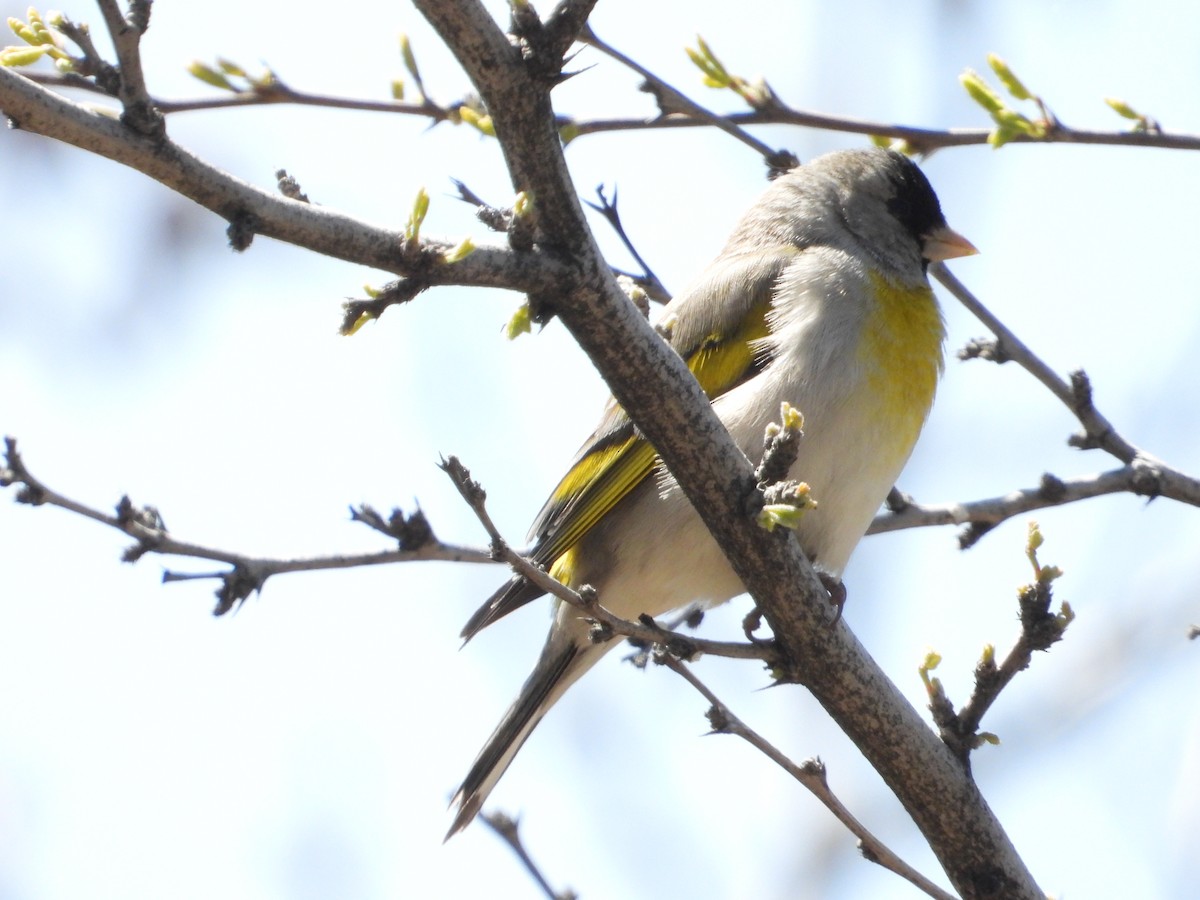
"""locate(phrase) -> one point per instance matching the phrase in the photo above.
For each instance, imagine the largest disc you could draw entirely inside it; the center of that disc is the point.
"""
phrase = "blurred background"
(307, 746)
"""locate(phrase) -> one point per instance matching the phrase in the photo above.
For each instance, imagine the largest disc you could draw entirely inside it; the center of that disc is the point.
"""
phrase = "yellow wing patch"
(722, 361)
(594, 486)
(601, 478)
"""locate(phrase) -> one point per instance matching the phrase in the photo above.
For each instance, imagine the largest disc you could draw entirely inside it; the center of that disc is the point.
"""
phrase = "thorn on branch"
(236, 587)
(986, 349)
(243, 225)
(971, 533)
(290, 187)
(1052, 488)
(410, 532)
(498, 220)
(1147, 478)
(780, 162)
(897, 501)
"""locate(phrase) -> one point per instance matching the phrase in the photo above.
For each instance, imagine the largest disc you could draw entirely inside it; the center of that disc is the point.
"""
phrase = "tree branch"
(811, 774)
(924, 140)
(247, 574)
(671, 101)
(1152, 476)
(509, 831)
(126, 32)
(317, 228)
(983, 515)
(1040, 630)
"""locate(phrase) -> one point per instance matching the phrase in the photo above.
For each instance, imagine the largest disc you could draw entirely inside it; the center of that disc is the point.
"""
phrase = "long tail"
(561, 663)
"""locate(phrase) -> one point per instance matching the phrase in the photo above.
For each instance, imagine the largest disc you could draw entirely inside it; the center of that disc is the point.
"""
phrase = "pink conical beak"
(945, 243)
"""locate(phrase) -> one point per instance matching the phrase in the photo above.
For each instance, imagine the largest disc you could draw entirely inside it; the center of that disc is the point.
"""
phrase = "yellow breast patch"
(901, 350)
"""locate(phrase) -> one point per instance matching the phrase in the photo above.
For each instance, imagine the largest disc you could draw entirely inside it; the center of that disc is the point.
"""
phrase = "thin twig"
(645, 630)
(509, 830)
(672, 101)
(810, 774)
(923, 140)
(1040, 630)
(1153, 476)
(648, 281)
(1011, 347)
(126, 33)
(247, 573)
(985, 514)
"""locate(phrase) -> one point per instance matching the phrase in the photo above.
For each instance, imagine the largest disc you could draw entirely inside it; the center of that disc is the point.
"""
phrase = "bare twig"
(247, 574)
(810, 774)
(1152, 476)
(919, 139)
(983, 515)
(923, 140)
(126, 31)
(647, 281)
(645, 629)
(509, 830)
(672, 101)
(1012, 348)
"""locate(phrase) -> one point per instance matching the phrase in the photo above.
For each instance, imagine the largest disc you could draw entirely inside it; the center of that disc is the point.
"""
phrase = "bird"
(821, 299)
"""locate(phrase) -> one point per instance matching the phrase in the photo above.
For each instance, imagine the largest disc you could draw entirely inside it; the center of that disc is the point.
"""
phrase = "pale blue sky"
(307, 746)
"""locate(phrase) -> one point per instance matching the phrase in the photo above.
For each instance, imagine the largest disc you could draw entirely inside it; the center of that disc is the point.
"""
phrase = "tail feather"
(514, 594)
(537, 695)
(567, 655)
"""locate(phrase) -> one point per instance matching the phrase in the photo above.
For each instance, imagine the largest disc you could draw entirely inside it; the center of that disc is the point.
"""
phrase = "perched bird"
(820, 298)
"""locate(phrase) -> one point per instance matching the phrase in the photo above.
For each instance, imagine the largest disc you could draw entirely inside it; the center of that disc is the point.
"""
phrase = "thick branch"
(317, 228)
(654, 386)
